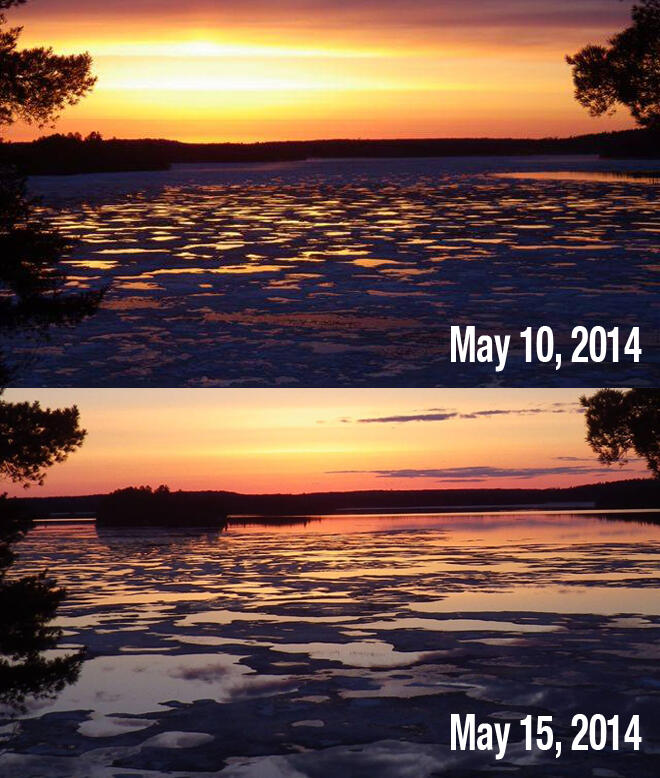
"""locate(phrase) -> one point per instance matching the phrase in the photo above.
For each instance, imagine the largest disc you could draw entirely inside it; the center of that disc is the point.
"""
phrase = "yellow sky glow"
(193, 78)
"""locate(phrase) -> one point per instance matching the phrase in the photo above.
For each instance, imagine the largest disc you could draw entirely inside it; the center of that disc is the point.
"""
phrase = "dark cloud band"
(481, 472)
(445, 414)
(541, 15)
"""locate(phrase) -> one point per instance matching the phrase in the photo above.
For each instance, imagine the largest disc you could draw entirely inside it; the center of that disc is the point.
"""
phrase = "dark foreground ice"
(351, 272)
(340, 646)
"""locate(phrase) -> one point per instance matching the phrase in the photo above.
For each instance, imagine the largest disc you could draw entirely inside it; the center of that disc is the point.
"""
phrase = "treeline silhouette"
(68, 154)
(146, 507)
(132, 506)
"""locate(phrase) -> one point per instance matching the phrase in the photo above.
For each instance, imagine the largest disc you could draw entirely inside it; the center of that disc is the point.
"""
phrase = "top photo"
(313, 193)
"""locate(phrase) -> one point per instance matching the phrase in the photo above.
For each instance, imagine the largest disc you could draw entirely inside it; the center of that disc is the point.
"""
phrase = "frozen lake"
(340, 645)
(350, 272)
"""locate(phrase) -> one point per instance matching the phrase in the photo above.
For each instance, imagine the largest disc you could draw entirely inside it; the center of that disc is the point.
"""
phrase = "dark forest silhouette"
(146, 507)
(629, 493)
(60, 154)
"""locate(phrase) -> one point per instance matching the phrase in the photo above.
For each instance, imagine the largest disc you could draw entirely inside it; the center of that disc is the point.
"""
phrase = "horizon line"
(338, 139)
(350, 491)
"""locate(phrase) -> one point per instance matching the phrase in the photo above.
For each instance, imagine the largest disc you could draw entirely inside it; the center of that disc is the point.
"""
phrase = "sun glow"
(206, 48)
(280, 440)
(235, 72)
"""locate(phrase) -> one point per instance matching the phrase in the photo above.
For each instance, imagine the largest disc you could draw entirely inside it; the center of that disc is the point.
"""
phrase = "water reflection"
(365, 261)
(312, 643)
(588, 175)
(153, 539)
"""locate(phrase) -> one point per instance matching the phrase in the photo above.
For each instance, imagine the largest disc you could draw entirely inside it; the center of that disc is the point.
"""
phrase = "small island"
(146, 507)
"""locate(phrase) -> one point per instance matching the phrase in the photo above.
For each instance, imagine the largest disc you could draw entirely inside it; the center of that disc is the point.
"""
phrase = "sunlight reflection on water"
(587, 175)
(232, 262)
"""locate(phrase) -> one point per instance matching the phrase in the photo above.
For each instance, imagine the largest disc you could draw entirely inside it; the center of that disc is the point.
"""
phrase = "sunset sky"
(247, 70)
(290, 440)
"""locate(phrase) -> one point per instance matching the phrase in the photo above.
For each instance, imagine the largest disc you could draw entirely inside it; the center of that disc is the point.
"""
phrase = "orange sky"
(247, 70)
(266, 440)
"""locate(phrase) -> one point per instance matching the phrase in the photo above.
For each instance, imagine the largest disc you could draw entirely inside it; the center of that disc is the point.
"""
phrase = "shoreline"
(71, 154)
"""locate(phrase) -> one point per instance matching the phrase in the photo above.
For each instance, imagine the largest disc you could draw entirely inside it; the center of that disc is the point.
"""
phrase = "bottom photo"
(280, 583)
